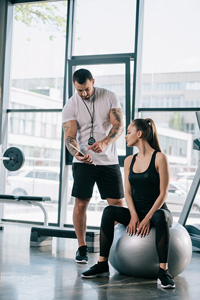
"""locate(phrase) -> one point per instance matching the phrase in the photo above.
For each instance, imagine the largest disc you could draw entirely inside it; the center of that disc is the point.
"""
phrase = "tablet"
(77, 149)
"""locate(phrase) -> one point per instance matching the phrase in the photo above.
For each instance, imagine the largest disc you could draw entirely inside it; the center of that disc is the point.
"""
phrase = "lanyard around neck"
(91, 115)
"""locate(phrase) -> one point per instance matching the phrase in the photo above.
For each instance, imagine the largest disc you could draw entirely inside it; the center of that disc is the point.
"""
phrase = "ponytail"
(149, 132)
(154, 141)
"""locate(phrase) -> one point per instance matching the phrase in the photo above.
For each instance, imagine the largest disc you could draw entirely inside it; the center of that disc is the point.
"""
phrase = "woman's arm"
(162, 167)
(134, 222)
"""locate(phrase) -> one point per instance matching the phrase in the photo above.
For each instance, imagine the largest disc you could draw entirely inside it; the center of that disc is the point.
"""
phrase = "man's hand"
(98, 147)
(85, 159)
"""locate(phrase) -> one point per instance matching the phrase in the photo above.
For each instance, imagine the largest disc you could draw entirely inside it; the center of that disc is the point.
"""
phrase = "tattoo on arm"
(115, 132)
(72, 141)
(117, 113)
(65, 128)
(117, 128)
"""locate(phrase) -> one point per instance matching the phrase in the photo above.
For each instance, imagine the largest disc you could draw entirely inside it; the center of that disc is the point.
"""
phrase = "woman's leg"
(111, 214)
(161, 220)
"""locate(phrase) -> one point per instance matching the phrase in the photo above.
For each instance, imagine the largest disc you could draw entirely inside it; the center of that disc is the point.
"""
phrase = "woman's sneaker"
(101, 269)
(165, 279)
(81, 255)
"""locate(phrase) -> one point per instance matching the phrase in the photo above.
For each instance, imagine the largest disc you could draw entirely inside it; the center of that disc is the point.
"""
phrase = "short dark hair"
(81, 76)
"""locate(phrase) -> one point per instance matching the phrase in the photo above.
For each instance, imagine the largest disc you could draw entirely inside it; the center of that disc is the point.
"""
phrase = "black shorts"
(107, 178)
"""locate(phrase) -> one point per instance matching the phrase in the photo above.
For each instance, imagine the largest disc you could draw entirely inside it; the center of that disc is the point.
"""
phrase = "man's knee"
(81, 204)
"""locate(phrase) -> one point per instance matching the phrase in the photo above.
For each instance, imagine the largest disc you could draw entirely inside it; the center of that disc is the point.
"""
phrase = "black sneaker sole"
(105, 274)
(169, 286)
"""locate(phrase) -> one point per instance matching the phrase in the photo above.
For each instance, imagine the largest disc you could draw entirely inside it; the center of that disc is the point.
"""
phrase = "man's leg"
(110, 185)
(84, 180)
(79, 219)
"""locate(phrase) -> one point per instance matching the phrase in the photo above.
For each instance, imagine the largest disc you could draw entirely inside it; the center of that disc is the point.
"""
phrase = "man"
(92, 122)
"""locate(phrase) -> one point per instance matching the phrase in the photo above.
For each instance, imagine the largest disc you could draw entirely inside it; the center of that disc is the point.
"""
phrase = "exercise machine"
(193, 230)
(13, 159)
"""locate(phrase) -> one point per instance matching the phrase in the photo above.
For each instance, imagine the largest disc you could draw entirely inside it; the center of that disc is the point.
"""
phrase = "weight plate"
(16, 159)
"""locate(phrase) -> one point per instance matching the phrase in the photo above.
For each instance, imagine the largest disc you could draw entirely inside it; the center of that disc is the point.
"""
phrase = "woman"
(146, 188)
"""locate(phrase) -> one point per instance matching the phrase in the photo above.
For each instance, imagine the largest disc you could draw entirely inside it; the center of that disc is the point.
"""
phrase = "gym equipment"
(194, 230)
(136, 256)
(13, 159)
(42, 236)
(27, 200)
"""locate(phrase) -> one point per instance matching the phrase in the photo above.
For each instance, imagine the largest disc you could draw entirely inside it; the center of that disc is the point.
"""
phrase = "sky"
(170, 44)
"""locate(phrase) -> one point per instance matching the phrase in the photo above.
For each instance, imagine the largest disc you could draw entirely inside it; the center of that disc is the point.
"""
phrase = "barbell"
(13, 159)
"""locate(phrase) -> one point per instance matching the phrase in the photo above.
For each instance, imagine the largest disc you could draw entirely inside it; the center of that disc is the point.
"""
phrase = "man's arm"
(70, 131)
(116, 119)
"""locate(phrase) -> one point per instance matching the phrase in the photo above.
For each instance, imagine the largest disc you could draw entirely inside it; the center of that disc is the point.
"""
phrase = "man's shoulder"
(104, 91)
(71, 101)
(73, 98)
(105, 94)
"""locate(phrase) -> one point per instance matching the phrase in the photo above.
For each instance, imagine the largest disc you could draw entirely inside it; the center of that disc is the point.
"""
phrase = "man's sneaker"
(165, 279)
(81, 255)
(101, 269)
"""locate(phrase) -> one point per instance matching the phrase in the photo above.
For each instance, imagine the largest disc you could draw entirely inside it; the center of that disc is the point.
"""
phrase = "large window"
(38, 52)
(37, 81)
(104, 27)
(171, 63)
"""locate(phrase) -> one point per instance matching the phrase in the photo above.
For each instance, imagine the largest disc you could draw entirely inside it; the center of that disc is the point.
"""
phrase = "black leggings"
(161, 220)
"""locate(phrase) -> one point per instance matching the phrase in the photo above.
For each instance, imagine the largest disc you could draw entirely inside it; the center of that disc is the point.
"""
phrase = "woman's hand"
(144, 227)
(133, 225)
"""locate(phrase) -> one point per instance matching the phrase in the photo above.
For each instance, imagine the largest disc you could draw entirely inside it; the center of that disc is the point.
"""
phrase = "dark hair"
(81, 76)
(149, 132)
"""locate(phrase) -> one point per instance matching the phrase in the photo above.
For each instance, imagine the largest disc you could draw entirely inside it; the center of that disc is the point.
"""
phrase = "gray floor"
(51, 273)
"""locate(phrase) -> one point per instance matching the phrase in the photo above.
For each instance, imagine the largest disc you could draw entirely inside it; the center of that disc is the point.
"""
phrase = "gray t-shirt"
(75, 109)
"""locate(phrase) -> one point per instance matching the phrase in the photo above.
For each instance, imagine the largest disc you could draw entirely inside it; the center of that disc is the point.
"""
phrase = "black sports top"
(145, 187)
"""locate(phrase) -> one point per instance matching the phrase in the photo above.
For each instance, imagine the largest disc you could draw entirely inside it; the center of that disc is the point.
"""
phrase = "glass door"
(112, 73)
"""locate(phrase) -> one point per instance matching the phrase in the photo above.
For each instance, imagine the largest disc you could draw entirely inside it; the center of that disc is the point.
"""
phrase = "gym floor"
(50, 273)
